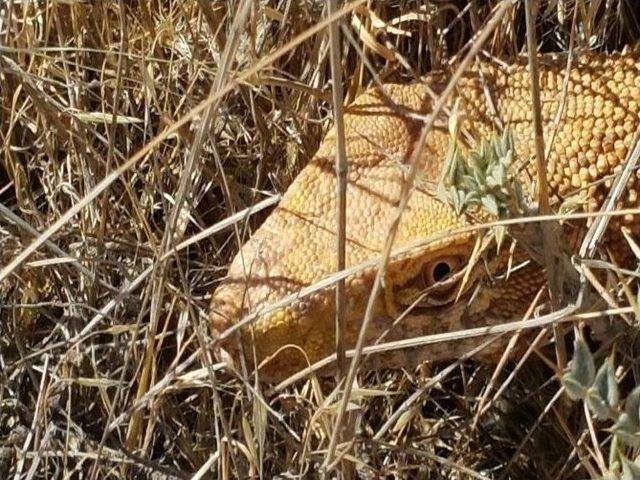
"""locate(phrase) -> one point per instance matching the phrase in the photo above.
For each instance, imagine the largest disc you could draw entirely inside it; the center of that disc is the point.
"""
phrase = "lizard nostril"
(224, 310)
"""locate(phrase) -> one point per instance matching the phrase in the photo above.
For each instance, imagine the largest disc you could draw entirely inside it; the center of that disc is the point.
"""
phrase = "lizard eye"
(436, 285)
(440, 269)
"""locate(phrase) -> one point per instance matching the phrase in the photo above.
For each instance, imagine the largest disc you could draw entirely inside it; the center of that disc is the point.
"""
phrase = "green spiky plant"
(479, 177)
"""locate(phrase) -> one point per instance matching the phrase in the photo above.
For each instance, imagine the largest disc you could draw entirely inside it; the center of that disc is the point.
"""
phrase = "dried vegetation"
(106, 164)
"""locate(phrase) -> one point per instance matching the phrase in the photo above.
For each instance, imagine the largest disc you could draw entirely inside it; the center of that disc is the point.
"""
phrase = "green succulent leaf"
(603, 395)
(627, 427)
(632, 407)
(500, 232)
(490, 204)
(581, 372)
(630, 470)
(480, 177)
(467, 182)
(614, 456)
(571, 204)
(626, 431)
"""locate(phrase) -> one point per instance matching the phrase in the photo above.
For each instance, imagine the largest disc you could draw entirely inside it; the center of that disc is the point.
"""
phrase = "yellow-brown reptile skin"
(296, 245)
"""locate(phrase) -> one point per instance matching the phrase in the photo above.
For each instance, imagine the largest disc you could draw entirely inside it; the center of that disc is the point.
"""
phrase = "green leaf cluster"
(480, 177)
(600, 392)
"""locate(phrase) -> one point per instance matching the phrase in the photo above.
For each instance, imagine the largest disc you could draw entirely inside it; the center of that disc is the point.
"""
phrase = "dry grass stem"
(141, 144)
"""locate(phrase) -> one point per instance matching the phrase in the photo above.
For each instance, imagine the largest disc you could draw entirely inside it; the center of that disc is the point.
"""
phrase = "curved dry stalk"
(171, 129)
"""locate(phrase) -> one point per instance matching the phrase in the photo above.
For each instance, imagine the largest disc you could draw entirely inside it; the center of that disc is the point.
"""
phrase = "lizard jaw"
(390, 343)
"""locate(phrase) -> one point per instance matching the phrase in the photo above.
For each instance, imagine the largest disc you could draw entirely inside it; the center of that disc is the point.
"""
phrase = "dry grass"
(127, 128)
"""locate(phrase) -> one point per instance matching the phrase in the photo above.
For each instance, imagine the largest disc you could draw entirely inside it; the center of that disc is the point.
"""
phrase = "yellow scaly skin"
(296, 245)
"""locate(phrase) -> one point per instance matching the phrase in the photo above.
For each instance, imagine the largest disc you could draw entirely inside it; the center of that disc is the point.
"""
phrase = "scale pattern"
(589, 131)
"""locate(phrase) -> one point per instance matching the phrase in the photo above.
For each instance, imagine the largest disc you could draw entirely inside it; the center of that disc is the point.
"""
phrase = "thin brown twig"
(565, 315)
(341, 183)
(597, 229)
(549, 229)
(482, 406)
(124, 38)
(405, 193)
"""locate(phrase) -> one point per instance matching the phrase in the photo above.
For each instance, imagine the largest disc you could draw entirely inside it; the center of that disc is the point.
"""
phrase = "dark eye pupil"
(440, 271)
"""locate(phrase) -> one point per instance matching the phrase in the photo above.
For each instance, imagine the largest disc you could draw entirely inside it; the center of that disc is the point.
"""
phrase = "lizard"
(590, 114)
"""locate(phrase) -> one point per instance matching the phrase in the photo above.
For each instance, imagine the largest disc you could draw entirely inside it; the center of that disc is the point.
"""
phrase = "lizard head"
(445, 277)
(275, 282)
